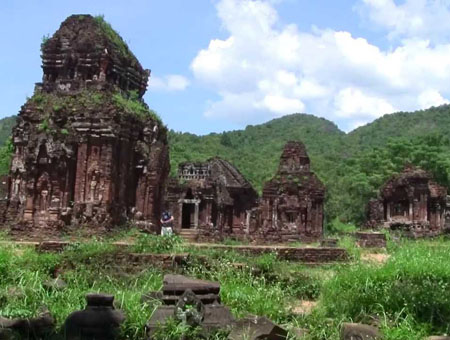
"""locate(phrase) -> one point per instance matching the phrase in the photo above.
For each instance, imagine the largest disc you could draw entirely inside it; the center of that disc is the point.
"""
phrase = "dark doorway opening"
(188, 215)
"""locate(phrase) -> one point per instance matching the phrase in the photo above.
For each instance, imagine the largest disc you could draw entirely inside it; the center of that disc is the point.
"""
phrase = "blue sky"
(223, 64)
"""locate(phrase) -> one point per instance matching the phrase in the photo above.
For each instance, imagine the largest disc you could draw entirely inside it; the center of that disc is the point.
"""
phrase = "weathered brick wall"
(305, 255)
(371, 240)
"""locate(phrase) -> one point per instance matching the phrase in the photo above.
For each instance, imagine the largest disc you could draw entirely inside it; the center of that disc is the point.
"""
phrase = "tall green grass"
(411, 290)
(407, 297)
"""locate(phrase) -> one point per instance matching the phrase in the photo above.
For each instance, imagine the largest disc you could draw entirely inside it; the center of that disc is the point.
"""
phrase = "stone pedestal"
(371, 240)
(99, 320)
(191, 301)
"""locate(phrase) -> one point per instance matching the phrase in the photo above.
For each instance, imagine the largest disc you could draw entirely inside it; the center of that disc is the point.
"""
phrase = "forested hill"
(435, 120)
(6, 125)
(353, 166)
(256, 150)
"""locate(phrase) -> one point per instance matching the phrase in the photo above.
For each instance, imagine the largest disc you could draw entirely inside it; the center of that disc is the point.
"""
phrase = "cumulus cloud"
(428, 19)
(171, 82)
(265, 69)
(351, 102)
(430, 98)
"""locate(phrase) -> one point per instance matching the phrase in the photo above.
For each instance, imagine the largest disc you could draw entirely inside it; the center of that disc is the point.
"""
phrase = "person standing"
(166, 224)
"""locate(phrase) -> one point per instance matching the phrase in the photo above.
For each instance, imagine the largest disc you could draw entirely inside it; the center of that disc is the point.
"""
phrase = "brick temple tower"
(292, 201)
(87, 149)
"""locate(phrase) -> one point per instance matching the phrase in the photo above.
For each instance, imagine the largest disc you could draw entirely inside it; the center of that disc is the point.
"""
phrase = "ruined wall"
(211, 197)
(291, 207)
(87, 150)
(411, 202)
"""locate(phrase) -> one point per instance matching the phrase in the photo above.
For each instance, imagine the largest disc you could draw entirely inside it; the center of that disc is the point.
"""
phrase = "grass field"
(407, 296)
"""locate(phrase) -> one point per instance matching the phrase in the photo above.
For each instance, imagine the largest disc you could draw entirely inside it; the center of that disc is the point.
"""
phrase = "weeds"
(157, 244)
(407, 297)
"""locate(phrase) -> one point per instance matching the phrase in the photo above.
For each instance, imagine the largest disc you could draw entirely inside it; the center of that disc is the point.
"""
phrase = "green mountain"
(256, 150)
(353, 166)
(435, 120)
(6, 125)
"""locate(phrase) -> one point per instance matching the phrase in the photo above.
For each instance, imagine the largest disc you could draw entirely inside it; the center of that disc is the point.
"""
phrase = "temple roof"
(87, 34)
(294, 174)
(412, 177)
(217, 170)
(294, 158)
(228, 173)
(85, 45)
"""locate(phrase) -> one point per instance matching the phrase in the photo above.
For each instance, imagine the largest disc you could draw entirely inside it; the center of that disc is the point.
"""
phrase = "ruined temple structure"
(292, 202)
(410, 201)
(212, 198)
(87, 150)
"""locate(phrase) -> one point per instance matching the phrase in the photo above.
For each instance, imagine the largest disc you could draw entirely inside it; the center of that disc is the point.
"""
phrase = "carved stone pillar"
(438, 216)
(196, 214)
(275, 214)
(208, 212)
(247, 221)
(411, 213)
(179, 224)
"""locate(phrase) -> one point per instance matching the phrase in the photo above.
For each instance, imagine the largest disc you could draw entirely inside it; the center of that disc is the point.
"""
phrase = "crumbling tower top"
(87, 52)
(294, 158)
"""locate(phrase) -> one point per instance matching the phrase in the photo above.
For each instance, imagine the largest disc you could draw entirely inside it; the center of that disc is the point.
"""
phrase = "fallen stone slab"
(329, 242)
(352, 331)
(52, 246)
(29, 328)
(256, 328)
(437, 337)
(299, 333)
(178, 284)
(99, 320)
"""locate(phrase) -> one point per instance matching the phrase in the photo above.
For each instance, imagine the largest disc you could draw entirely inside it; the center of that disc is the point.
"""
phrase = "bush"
(338, 227)
(157, 244)
(266, 262)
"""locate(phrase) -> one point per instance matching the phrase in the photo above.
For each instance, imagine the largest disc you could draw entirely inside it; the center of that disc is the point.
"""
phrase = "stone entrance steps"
(189, 235)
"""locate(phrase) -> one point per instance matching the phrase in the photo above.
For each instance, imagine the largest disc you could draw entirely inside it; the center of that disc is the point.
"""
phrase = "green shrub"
(147, 243)
(338, 227)
(266, 262)
(133, 105)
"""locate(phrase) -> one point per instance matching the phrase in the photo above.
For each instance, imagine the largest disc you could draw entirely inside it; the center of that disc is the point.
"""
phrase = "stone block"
(99, 320)
(33, 328)
(371, 240)
(329, 242)
(356, 331)
(255, 328)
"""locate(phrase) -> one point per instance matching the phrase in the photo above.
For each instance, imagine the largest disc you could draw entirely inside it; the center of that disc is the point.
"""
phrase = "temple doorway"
(187, 220)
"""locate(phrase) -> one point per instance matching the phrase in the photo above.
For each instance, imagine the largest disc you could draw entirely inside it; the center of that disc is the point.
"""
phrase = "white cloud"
(281, 105)
(265, 69)
(171, 82)
(430, 98)
(351, 102)
(428, 19)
